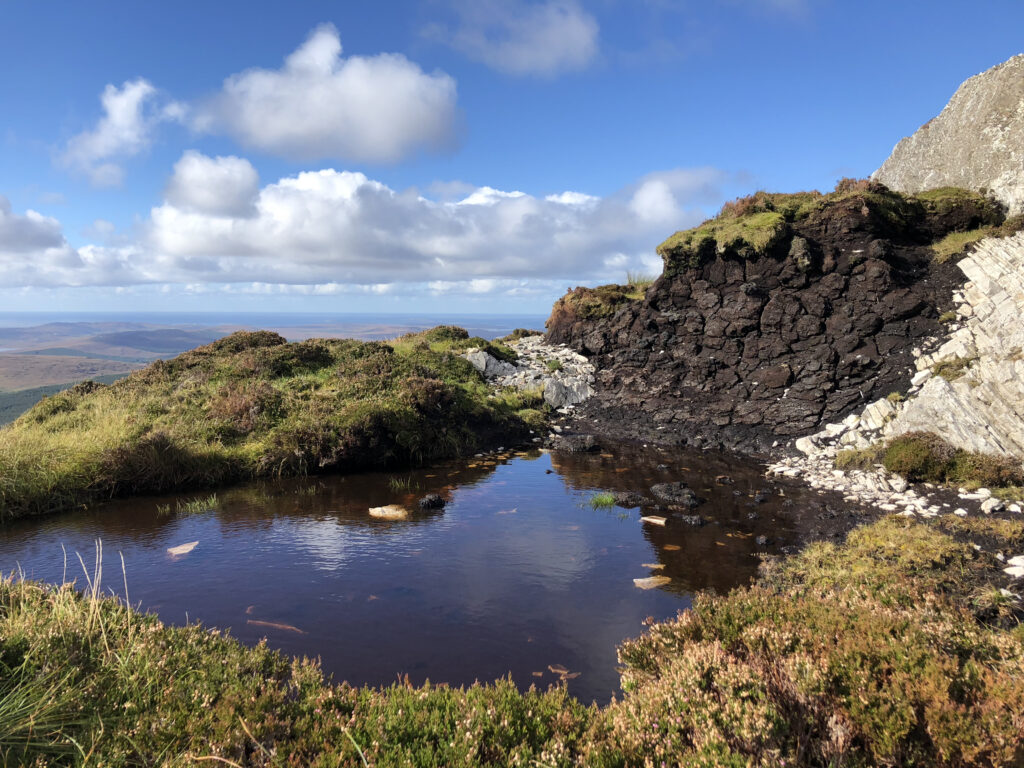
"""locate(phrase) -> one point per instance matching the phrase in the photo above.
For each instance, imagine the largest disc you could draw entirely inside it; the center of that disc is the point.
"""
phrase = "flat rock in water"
(389, 512)
(651, 582)
(182, 549)
(653, 520)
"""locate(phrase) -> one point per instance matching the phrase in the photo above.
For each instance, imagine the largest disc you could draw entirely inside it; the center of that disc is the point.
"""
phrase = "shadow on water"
(518, 574)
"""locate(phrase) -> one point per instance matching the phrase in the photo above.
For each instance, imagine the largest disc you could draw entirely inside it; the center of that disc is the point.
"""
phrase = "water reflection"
(516, 574)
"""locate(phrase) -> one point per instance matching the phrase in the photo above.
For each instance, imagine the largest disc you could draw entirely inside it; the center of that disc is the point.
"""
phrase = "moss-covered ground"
(896, 648)
(252, 405)
(759, 224)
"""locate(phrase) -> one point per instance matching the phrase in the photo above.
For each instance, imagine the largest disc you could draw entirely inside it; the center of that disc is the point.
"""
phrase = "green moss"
(926, 457)
(252, 405)
(946, 200)
(754, 226)
(747, 236)
(596, 303)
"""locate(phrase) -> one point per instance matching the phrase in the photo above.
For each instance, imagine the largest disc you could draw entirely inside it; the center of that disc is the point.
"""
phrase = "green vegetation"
(639, 282)
(951, 370)
(595, 303)
(958, 242)
(519, 333)
(762, 223)
(13, 404)
(197, 506)
(955, 201)
(860, 458)
(923, 456)
(926, 457)
(895, 398)
(877, 652)
(895, 648)
(759, 224)
(403, 484)
(252, 405)
(948, 317)
(602, 500)
(554, 365)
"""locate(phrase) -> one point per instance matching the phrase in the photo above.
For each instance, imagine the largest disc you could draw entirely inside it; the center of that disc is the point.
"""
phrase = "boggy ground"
(252, 405)
(894, 648)
(781, 314)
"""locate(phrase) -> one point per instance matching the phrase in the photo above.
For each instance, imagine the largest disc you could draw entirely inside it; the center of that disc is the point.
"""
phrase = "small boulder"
(431, 501)
(630, 499)
(676, 494)
(575, 443)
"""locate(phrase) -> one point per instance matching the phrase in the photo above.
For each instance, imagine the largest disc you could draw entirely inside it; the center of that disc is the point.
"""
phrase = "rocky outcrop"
(976, 142)
(770, 323)
(564, 377)
(977, 401)
(969, 389)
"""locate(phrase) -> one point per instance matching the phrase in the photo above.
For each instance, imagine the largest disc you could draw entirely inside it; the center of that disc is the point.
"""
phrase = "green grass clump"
(895, 648)
(554, 365)
(519, 333)
(951, 370)
(595, 303)
(959, 242)
(602, 500)
(638, 283)
(184, 508)
(944, 201)
(956, 243)
(252, 405)
(859, 458)
(926, 457)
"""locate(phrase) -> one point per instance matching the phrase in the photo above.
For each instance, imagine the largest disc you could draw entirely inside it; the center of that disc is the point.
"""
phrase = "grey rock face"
(489, 365)
(976, 142)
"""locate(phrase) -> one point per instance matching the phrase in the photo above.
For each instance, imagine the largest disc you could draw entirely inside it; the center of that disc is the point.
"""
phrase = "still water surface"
(518, 573)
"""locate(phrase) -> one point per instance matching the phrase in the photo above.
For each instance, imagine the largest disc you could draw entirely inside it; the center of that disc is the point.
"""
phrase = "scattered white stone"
(960, 512)
(389, 512)
(1016, 571)
(991, 505)
(921, 377)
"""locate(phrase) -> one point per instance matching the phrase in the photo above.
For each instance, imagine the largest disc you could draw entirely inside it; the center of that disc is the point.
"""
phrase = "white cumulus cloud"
(342, 229)
(319, 105)
(130, 115)
(215, 186)
(520, 37)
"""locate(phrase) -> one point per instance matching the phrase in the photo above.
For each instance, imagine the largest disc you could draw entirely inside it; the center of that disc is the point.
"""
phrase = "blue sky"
(440, 156)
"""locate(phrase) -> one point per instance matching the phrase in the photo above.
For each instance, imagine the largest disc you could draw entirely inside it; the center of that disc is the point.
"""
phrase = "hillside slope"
(253, 405)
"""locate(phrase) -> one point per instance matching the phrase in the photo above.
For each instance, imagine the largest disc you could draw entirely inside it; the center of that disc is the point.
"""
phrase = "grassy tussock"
(895, 648)
(926, 457)
(959, 243)
(252, 405)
